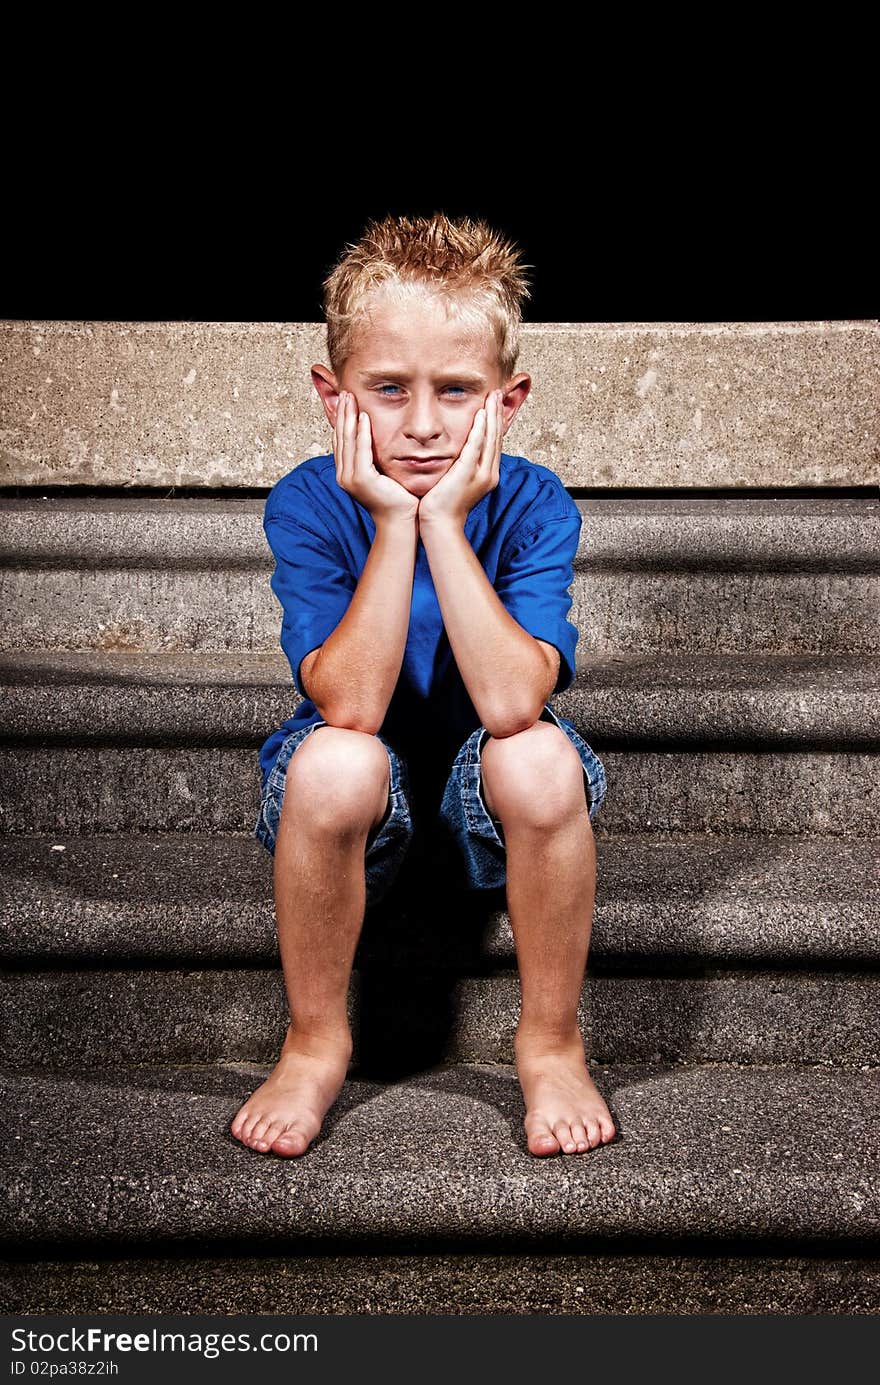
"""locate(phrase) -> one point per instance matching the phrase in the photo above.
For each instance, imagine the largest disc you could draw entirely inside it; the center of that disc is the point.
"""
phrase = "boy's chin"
(416, 482)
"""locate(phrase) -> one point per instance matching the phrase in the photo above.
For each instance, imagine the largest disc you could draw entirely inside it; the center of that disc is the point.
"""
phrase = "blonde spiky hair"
(475, 271)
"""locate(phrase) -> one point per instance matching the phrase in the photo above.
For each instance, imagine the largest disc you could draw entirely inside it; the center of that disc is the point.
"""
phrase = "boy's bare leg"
(336, 791)
(551, 887)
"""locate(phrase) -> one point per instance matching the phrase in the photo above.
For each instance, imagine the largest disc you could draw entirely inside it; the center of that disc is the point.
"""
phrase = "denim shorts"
(474, 839)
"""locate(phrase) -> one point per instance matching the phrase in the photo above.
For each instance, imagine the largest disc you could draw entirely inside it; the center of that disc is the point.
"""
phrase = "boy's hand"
(357, 473)
(474, 472)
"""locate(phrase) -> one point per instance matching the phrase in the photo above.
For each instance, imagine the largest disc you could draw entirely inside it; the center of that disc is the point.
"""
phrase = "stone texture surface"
(745, 700)
(694, 699)
(617, 404)
(633, 612)
(740, 791)
(467, 1283)
(765, 1155)
(737, 900)
(789, 576)
(216, 788)
(156, 898)
(741, 613)
(218, 532)
(421, 1015)
(726, 576)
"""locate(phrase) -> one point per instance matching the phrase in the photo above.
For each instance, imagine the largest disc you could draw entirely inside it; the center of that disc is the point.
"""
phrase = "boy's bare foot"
(286, 1112)
(564, 1110)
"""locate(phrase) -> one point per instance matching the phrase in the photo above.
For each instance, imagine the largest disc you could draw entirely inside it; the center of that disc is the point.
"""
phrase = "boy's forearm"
(503, 667)
(356, 672)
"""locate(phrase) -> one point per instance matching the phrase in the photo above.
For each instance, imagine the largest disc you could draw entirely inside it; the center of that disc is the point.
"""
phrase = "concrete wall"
(219, 404)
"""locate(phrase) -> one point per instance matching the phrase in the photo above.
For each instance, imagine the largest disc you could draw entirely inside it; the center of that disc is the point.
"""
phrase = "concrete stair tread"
(768, 1154)
(166, 898)
(218, 531)
(198, 668)
(616, 1279)
(221, 533)
(684, 698)
(72, 1017)
(732, 576)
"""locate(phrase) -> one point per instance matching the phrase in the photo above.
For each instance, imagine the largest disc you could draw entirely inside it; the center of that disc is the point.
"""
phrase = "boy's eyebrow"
(465, 376)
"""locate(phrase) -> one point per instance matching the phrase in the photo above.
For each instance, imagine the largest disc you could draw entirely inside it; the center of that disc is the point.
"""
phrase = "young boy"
(424, 578)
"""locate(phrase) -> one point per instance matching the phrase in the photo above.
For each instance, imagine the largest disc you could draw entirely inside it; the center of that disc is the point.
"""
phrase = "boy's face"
(421, 379)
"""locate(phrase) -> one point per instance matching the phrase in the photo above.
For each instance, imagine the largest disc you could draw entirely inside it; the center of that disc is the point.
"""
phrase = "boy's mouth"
(421, 461)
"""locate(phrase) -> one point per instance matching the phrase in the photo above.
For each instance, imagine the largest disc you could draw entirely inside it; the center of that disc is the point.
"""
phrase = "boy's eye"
(461, 388)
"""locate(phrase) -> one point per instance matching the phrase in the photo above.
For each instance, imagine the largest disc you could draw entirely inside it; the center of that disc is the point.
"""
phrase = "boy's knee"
(539, 767)
(345, 775)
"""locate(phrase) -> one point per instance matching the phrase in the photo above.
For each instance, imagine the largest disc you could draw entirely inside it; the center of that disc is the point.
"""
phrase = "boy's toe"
(246, 1129)
(541, 1139)
(258, 1132)
(594, 1132)
(580, 1136)
(272, 1131)
(291, 1141)
(239, 1122)
(562, 1131)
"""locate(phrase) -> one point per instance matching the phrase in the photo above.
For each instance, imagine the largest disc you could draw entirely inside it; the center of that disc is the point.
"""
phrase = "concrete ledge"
(618, 404)
(639, 611)
(705, 1152)
(414, 1017)
(157, 900)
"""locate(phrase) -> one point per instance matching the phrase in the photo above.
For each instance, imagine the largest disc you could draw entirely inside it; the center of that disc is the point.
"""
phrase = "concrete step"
(173, 899)
(170, 742)
(652, 576)
(772, 1157)
(767, 700)
(114, 788)
(700, 1013)
(613, 1278)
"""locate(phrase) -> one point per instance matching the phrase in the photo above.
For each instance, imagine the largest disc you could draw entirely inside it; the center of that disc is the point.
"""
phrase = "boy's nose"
(423, 420)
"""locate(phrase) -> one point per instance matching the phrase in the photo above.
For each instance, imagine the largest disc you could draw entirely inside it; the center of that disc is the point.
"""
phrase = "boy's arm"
(353, 632)
(501, 635)
(353, 677)
(507, 672)
(356, 670)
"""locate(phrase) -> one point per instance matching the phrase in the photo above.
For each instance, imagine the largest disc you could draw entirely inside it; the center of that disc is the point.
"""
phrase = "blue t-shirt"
(525, 534)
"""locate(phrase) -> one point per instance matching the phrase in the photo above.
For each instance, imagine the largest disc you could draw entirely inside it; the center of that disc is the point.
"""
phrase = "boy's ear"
(325, 383)
(516, 391)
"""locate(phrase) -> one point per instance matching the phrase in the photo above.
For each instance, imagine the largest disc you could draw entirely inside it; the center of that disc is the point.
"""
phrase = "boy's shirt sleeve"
(312, 583)
(533, 581)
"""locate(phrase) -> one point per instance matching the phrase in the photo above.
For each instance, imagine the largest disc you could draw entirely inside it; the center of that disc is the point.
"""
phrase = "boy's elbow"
(339, 712)
(334, 709)
(499, 731)
(349, 721)
(509, 719)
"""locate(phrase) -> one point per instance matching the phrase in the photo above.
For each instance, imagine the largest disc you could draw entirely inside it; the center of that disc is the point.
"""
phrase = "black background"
(746, 242)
